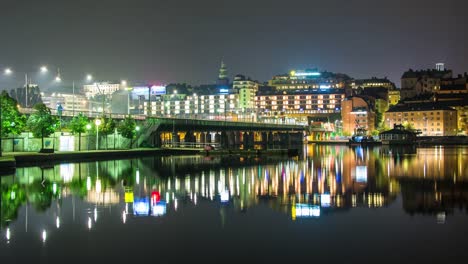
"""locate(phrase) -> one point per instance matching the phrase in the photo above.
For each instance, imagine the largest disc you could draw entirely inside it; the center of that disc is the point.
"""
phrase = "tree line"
(41, 123)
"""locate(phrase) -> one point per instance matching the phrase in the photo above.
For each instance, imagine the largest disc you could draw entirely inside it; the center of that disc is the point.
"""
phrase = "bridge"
(228, 134)
(157, 131)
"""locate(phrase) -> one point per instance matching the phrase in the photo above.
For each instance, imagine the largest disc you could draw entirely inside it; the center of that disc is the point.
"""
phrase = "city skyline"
(185, 42)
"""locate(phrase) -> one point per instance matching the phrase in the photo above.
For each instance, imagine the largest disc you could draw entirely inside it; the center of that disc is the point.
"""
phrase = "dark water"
(337, 204)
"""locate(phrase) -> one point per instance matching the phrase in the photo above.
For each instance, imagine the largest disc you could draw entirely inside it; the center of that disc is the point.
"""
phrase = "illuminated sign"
(159, 209)
(158, 90)
(155, 197)
(325, 200)
(129, 197)
(304, 74)
(223, 91)
(305, 211)
(324, 86)
(141, 206)
(361, 173)
(138, 91)
(224, 196)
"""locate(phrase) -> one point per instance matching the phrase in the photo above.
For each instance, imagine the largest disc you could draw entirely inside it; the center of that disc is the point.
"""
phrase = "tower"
(440, 66)
(222, 77)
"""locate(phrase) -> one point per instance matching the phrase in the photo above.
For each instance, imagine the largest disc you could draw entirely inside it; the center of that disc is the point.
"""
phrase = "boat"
(398, 136)
(360, 138)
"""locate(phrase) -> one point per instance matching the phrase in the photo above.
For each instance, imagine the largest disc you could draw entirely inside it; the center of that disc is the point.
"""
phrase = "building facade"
(357, 114)
(309, 79)
(372, 83)
(304, 103)
(419, 82)
(247, 89)
(428, 118)
(69, 102)
(104, 88)
(217, 107)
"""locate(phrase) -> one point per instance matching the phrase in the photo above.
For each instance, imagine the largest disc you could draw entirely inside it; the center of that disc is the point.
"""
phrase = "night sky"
(184, 41)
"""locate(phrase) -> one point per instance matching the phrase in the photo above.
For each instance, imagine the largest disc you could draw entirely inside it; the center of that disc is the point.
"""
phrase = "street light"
(89, 77)
(128, 89)
(97, 122)
(88, 128)
(9, 71)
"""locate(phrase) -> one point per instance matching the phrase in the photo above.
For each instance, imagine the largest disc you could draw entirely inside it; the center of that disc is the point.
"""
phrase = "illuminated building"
(219, 106)
(357, 113)
(430, 118)
(69, 102)
(393, 96)
(373, 82)
(246, 89)
(104, 88)
(307, 102)
(309, 79)
(414, 83)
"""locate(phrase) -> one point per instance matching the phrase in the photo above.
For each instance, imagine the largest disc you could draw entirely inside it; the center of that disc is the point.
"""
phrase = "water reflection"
(330, 179)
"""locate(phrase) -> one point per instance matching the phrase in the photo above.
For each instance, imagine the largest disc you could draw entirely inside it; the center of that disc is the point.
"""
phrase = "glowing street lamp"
(44, 69)
(97, 122)
(89, 77)
(7, 71)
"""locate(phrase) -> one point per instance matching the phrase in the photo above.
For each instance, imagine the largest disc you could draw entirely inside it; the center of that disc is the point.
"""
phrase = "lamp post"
(42, 70)
(88, 127)
(97, 122)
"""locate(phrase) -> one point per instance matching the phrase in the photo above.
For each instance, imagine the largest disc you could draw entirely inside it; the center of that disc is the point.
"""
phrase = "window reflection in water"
(430, 181)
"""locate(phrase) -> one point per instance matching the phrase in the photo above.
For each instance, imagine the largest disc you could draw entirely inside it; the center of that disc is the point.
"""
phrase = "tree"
(13, 122)
(408, 126)
(42, 123)
(127, 129)
(107, 127)
(78, 125)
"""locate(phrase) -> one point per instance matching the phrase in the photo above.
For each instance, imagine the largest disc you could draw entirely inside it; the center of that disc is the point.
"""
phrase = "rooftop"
(419, 107)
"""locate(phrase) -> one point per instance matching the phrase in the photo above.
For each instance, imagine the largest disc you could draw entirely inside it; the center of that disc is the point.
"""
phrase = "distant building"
(69, 102)
(357, 114)
(27, 96)
(217, 107)
(246, 88)
(104, 88)
(298, 80)
(372, 83)
(430, 118)
(423, 81)
(393, 96)
(300, 104)
(223, 78)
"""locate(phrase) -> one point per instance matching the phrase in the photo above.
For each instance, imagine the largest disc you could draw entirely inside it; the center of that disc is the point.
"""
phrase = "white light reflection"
(175, 204)
(90, 223)
(8, 234)
(98, 186)
(88, 183)
(44, 235)
(95, 214)
(124, 217)
(57, 222)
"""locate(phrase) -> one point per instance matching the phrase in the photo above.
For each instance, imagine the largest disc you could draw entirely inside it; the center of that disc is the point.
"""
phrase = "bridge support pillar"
(224, 140)
(175, 137)
(237, 138)
(231, 137)
(217, 138)
(264, 136)
(202, 137)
